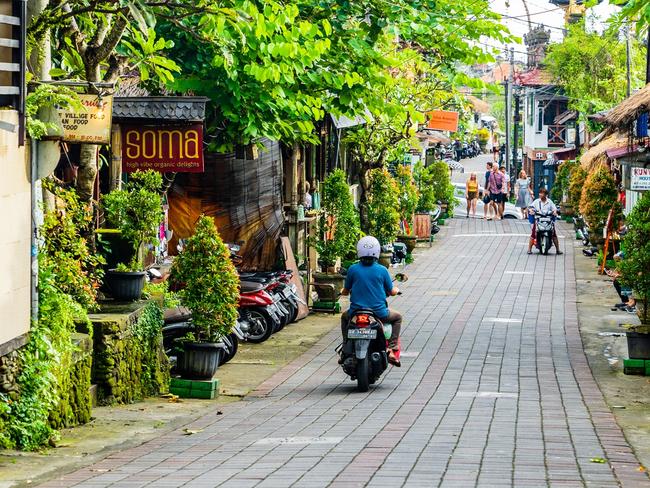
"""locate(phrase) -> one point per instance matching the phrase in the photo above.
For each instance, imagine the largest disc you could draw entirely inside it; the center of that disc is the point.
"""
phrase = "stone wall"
(9, 370)
(129, 362)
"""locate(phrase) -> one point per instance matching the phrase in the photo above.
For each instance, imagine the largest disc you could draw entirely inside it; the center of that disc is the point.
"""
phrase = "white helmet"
(368, 247)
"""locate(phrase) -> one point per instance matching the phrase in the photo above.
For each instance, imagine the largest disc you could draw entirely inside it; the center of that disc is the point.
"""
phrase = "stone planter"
(201, 359)
(385, 259)
(410, 242)
(638, 345)
(125, 286)
(337, 280)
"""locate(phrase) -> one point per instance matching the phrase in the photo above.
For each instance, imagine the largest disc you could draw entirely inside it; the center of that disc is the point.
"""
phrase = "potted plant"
(338, 228)
(559, 192)
(598, 197)
(635, 270)
(383, 214)
(408, 201)
(210, 289)
(426, 200)
(136, 211)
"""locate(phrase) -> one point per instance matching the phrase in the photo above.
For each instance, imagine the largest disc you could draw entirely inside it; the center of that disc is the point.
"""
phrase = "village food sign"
(164, 148)
(91, 124)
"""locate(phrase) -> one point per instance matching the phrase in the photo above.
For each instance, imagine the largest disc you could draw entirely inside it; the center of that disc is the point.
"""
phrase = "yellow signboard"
(92, 124)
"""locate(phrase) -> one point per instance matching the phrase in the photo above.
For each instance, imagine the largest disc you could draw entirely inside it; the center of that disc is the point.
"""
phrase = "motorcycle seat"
(250, 286)
(178, 314)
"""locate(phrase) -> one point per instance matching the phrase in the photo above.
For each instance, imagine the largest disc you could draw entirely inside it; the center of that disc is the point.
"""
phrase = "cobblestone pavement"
(494, 391)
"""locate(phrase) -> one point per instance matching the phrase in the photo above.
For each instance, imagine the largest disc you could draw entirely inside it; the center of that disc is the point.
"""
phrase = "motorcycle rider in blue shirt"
(368, 283)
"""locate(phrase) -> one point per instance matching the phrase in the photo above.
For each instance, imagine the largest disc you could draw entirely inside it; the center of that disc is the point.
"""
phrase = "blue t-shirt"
(369, 286)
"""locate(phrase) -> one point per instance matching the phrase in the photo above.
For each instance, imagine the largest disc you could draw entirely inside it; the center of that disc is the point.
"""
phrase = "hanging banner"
(640, 179)
(443, 120)
(92, 124)
(166, 148)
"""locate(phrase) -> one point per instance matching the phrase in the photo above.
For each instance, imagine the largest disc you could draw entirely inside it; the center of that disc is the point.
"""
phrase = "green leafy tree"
(210, 282)
(634, 268)
(338, 223)
(383, 206)
(591, 68)
(561, 185)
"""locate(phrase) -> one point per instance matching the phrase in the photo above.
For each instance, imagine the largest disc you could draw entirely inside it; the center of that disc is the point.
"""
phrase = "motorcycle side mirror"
(401, 277)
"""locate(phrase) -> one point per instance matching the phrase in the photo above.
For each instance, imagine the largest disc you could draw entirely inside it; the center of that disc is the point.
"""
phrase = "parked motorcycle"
(178, 324)
(258, 312)
(364, 352)
(545, 226)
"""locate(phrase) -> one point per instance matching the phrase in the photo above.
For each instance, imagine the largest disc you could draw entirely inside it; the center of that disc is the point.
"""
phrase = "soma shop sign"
(443, 120)
(166, 148)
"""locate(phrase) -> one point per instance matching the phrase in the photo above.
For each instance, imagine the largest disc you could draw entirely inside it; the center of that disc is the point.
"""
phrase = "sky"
(541, 12)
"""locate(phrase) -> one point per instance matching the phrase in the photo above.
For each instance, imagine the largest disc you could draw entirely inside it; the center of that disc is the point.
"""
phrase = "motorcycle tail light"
(362, 320)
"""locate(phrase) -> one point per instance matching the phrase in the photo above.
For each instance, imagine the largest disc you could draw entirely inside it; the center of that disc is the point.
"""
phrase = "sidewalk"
(627, 396)
(494, 391)
(117, 428)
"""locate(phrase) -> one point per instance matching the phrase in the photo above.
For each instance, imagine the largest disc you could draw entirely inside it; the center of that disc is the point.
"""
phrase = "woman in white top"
(524, 191)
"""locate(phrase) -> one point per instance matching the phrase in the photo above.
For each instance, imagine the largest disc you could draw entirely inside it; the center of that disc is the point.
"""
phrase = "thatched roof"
(626, 112)
(479, 105)
(597, 154)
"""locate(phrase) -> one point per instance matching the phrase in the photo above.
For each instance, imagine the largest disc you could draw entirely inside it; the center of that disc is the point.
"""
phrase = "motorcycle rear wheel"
(232, 349)
(261, 325)
(363, 374)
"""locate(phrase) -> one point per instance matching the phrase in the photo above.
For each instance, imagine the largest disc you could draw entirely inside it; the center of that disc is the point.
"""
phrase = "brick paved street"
(494, 391)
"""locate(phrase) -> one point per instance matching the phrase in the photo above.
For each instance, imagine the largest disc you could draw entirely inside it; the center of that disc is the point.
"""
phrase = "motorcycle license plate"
(362, 334)
(287, 293)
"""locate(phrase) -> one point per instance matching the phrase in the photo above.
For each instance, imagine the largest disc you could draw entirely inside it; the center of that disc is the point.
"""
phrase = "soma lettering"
(162, 144)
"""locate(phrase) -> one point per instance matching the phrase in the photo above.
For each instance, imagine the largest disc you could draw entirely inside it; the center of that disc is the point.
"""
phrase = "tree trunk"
(87, 171)
(364, 185)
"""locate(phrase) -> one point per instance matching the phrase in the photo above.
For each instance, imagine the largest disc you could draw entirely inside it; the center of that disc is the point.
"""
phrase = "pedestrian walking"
(487, 207)
(496, 182)
(471, 194)
(505, 192)
(524, 191)
(495, 154)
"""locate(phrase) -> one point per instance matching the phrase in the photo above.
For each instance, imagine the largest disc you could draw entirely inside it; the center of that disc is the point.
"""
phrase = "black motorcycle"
(544, 228)
(364, 352)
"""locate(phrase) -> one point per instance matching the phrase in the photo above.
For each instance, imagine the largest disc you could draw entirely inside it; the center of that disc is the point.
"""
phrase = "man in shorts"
(495, 185)
(505, 191)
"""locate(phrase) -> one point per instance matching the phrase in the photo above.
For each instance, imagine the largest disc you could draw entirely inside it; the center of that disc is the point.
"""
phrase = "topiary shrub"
(408, 196)
(561, 185)
(383, 205)
(576, 183)
(635, 268)
(136, 211)
(598, 196)
(338, 223)
(210, 282)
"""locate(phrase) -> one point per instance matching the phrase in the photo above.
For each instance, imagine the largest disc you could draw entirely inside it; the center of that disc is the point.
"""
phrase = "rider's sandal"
(393, 360)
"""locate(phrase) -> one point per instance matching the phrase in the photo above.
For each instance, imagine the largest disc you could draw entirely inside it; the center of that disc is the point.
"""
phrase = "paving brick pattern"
(494, 391)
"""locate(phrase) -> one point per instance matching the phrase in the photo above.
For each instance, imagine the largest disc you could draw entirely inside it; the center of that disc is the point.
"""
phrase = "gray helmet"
(368, 247)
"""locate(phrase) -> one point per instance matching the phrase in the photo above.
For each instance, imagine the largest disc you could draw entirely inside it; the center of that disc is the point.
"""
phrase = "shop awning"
(184, 109)
(622, 152)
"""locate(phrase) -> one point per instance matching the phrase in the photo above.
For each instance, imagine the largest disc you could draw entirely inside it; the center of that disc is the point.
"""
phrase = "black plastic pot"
(638, 345)
(125, 286)
(201, 359)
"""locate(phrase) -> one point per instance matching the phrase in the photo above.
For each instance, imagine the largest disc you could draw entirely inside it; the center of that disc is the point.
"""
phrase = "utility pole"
(515, 155)
(509, 110)
(647, 60)
(627, 59)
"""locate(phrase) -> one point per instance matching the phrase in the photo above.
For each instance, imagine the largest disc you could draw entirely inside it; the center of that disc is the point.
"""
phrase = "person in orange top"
(471, 194)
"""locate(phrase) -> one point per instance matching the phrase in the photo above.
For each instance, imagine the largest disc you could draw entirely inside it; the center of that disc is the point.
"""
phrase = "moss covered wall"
(75, 404)
(129, 362)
